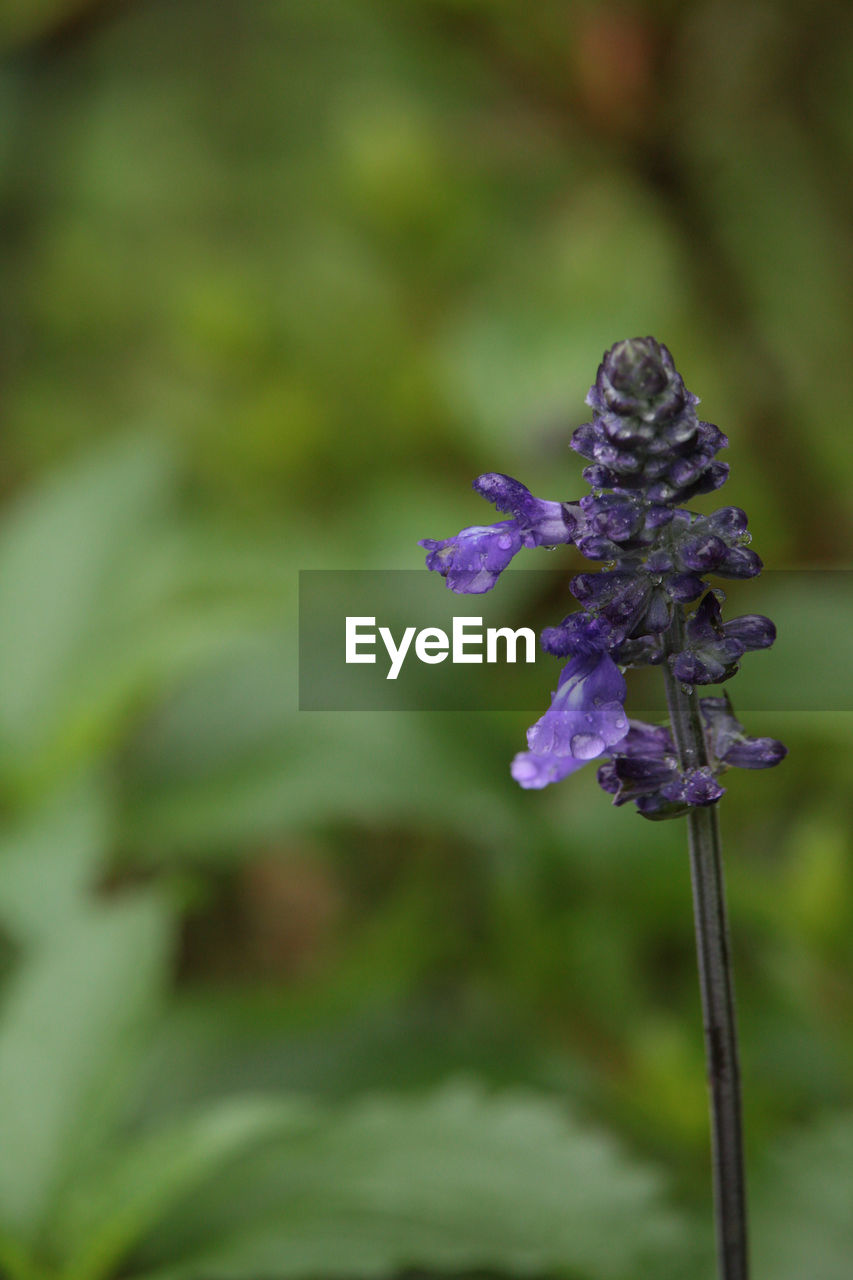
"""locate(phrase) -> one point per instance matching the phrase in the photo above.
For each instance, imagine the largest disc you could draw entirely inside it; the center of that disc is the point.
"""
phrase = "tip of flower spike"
(635, 366)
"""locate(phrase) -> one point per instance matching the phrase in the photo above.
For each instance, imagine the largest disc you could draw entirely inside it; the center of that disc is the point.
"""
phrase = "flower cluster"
(649, 452)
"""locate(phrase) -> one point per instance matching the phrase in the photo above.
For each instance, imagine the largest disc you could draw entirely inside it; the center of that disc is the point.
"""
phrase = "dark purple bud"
(615, 516)
(685, 470)
(578, 635)
(712, 439)
(728, 523)
(596, 547)
(739, 562)
(607, 778)
(684, 587)
(620, 597)
(650, 772)
(728, 742)
(752, 630)
(692, 668)
(703, 552)
(658, 614)
(605, 453)
(589, 588)
(660, 491)
(709, 655)
(656, 516)
(659, 561)
(599, 477)
(625, 464)
(639, 652)
(701, 787)
(755, 753)
(705, 624)
(646, 739)
(584, 440)
(656, 807)
(624, 432)
(714, 477)
(643, 767)
(656, 468)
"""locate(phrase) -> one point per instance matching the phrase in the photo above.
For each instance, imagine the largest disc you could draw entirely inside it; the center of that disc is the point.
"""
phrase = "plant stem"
(716, 985)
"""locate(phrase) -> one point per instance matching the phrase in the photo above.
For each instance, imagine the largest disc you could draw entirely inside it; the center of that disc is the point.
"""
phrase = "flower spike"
(649, 453)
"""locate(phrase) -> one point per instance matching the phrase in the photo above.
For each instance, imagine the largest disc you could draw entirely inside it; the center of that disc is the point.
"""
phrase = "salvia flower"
(649, 453)
(472, 561)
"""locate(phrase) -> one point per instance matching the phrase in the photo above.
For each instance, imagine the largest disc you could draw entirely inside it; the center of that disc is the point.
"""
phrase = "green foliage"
(452, 1182)
(802, 1223)
(107, 1212)
(71, 1026)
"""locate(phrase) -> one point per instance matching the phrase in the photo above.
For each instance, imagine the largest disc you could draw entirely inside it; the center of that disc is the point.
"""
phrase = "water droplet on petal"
(586, 746)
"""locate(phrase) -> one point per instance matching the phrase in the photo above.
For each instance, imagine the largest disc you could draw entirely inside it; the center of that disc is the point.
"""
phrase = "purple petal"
(586, 714)
(753, 630)
(474, 559)
(701, 787)
(731, 745)
(727, 523)
(644, 739)
(703, 552)
(541, 522)
(578, 635)
(755, 753)
(740, 562)
(533, 772)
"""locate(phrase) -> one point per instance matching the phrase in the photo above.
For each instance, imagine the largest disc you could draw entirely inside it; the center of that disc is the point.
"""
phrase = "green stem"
(716, 985)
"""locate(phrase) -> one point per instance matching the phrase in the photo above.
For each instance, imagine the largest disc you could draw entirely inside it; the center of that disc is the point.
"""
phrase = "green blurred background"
(323, 994)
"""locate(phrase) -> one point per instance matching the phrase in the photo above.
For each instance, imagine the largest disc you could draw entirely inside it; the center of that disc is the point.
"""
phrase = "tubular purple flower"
(649, 454)
(586, 714)
(473, 560)
(533, 772)
(542, 523)
(730, 744)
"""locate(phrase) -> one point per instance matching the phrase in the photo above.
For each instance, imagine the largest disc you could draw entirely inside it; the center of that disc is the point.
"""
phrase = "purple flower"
(540, 522)
(586, 717)
(645, 437)
(472, 561)
(533, 772)
(728, 742)
(644, 768)
(649, 453)
(713, 648)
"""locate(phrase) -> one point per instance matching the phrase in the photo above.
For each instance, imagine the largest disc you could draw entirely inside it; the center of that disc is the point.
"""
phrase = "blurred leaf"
(60, 549)
(108, 1211)
(229, 759)
(456, 1181)
(71, 1022)
(48, 860)
(802, 1220)
(104, 605)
